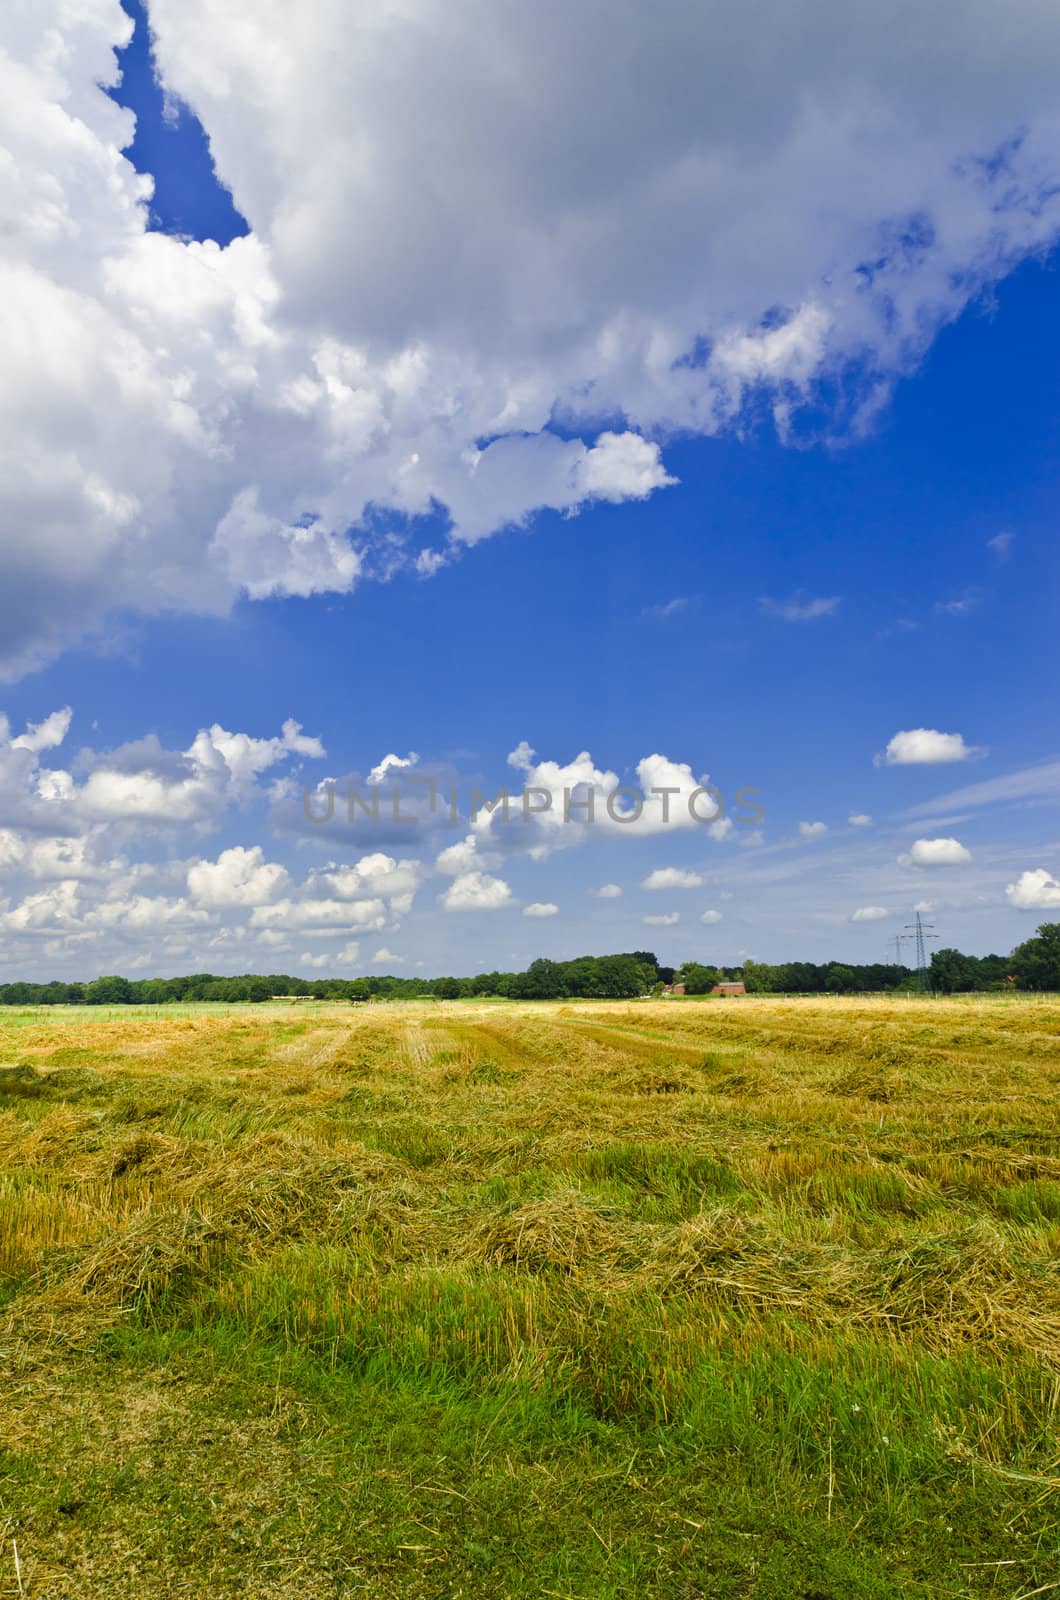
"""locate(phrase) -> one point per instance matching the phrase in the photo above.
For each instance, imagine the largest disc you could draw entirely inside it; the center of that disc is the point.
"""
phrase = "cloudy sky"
(571, 398)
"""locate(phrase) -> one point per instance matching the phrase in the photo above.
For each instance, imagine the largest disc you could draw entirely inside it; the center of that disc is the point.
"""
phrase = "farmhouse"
(729, 988)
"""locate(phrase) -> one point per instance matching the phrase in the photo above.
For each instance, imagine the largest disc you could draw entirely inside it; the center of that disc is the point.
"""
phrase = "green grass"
(585, 1300)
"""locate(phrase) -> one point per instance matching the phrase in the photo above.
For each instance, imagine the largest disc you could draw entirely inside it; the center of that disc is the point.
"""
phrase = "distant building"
(676, 988)
(729, 988)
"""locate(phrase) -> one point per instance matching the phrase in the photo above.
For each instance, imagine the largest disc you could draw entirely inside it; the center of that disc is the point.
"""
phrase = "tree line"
(588, 977)
(1033, 965)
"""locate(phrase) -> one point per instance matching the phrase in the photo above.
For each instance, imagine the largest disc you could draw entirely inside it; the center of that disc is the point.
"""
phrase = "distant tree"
(697, 978)
(952, 973)
(109, 991)
(1036, 962)
(542, 980)
(621, 977)
(760, 978)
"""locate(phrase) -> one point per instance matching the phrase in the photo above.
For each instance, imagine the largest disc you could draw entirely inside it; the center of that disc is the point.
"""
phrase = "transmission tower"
(898, 941)
(919, 929)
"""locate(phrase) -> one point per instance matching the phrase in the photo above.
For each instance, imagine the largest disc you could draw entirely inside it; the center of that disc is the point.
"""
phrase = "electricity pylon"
(919, 929)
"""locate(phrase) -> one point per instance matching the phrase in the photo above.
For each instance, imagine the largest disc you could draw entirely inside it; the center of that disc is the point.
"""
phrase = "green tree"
(109, 991)
(1036, 962)
(951, 972)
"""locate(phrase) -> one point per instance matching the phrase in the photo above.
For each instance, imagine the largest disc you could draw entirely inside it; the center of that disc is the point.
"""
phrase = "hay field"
(719, 1299)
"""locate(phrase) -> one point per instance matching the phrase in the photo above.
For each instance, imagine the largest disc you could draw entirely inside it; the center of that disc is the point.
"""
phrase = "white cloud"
(663, 920)
(391, 763)
(145, 913)
(666, 797)
(335, 916)
(960, 605)
(1001, 545)
(464, 856)
(46, 735)
(476, 891)
(373, 875)
(428, 562)
(796, 610)
(710, 917)
(541, 908)
(666, 608)
(1034, 890)
(384, 957)
(672, 878)
(859, 819)
(926, 747)
(12, 849)
(813, 830)
(144, 782)
(936, 853)
(239, 877)
(1034, 784)
(48, 910)
(607, 891)
(869, 914)
(184, 423)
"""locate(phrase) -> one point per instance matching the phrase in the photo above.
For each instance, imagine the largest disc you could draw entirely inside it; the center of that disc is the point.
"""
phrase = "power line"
(919, 929)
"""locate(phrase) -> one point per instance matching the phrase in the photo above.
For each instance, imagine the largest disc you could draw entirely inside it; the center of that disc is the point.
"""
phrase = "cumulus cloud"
(569, 803)
(813, 830)
(476, 891)
(391, 763)
(373, 875)
(327, 916)
(464, 856)
(607, 891)
(184, 423)
(239, 877)
(710, 917)
(46, 735)
(859, 819)
(664, 919)
(672, 878)
(936, 853)
(541, 908)
(384, 957)
(869, 914)
(1034, 890)
(916, 747)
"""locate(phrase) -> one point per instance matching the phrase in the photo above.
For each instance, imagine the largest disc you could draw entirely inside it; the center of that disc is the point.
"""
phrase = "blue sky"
(858, 541)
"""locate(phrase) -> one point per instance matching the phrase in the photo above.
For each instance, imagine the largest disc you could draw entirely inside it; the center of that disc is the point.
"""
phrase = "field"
(721, 1299)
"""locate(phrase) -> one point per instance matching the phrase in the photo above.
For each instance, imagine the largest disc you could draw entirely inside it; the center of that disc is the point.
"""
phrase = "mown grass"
(749, 1299)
